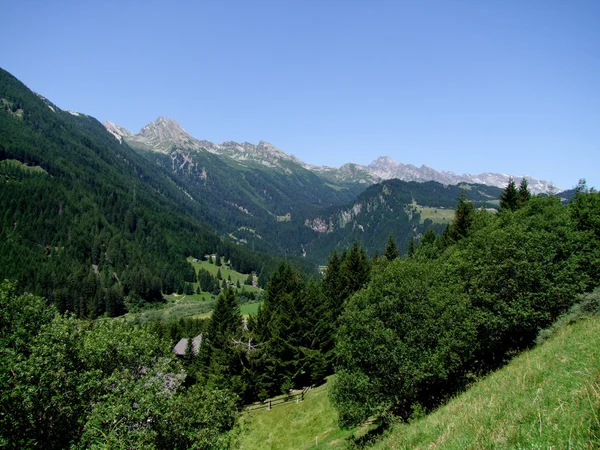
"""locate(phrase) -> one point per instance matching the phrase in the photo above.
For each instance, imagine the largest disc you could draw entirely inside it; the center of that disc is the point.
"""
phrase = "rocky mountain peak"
(164, 130)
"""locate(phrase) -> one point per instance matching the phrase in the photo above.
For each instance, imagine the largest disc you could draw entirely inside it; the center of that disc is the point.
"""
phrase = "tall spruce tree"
(219, 357)
(391, 249)
(509, 200)
(280, 330)
(463, 218)
(411, 247)
(524, 193)
(334, 294)
(356, 269)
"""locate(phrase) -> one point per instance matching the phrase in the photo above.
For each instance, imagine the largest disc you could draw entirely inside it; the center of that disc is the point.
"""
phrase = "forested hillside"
(88, 223)
(404, 210)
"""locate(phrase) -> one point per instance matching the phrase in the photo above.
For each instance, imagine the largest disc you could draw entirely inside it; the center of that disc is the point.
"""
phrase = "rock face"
(166, 135)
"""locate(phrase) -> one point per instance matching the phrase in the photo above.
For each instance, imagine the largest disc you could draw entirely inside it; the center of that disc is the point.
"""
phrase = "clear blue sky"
(467, 86)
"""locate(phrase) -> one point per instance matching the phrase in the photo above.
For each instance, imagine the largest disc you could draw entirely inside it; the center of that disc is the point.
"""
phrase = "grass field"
(247, 309)
(226, 272)
(436, 215)
(14, 164)
(293, 426)
(547, 397)
(177, 307)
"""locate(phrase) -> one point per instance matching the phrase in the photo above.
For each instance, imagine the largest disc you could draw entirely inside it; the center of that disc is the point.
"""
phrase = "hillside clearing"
(292, 426)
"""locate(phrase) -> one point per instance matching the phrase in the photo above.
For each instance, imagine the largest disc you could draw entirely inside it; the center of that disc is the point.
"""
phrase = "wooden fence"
(270, 404)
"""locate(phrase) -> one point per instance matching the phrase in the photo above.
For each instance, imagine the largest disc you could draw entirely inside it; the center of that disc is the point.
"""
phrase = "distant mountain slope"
(392, 207)
(88, 222)
(247, 191)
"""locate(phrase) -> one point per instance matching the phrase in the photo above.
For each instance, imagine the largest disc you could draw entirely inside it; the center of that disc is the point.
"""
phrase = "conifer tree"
(411, 246)
(355, 270)
(280, 329)
(333, 285)
(524, 193)
(463, 218)
(391, 249)
(218, 356)
(428, 238)
(376, 255)
(509, 200)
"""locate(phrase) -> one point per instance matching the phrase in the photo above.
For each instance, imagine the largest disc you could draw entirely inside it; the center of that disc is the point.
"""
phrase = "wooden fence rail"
(270, 404)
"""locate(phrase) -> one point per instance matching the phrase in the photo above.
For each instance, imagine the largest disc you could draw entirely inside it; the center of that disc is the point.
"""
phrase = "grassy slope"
(436, 215)
(292, 426)
(548, 397)
(226, 272)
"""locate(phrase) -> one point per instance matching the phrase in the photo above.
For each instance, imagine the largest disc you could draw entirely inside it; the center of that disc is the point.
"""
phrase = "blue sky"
(467, 86)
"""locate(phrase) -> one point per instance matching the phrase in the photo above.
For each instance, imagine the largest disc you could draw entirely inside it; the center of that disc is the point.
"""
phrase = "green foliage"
(355, 269)
(585, 209)
(546, 397)
(423, 324)
(522, 271)
(524, 193)
(400, 340)
(66, 383)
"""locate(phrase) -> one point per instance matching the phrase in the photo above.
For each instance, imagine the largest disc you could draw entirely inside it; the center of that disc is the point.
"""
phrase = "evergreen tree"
(391, 249)
(524, 193)
(509, 200)
(355, 270)
(428, 238)
(219, 276)
(411, 246)
(463, 218)
(279, 328)
(220, 360)
(376, 255)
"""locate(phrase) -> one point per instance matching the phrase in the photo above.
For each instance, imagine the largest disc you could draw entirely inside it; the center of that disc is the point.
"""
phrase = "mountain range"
(257, 195)
(164, 135)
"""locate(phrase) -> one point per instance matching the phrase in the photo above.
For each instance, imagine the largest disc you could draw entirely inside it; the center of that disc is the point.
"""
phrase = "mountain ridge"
(164, 135)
